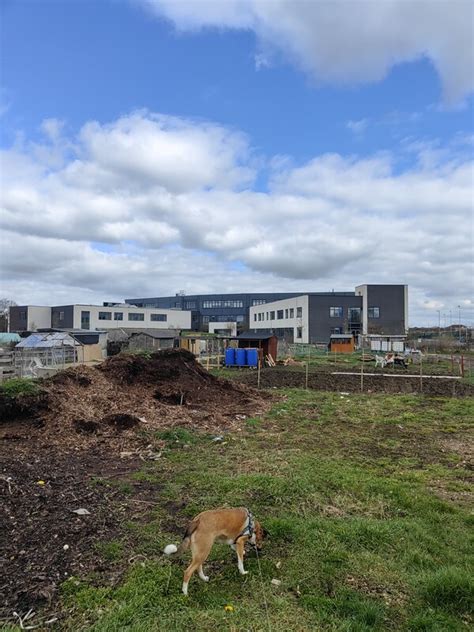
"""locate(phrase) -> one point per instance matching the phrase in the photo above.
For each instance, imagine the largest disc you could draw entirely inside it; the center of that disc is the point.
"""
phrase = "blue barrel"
(240, 357)
(230, 357)
(252, 357)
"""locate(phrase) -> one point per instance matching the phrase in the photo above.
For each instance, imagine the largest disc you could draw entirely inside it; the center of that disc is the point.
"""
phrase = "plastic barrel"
(252, 357)
(240, 357)
(230, 357)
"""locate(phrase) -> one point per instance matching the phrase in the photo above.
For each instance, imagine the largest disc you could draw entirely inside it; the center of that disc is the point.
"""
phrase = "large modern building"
(370, 310)
(305, 317)
(210, 308)
(92, 317)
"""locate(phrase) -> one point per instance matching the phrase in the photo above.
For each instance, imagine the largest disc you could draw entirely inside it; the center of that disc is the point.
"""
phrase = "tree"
(5, 304)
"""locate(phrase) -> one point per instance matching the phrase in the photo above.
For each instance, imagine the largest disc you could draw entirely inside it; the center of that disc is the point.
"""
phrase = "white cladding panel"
(260, 316)
(174, 318)
(39, 317)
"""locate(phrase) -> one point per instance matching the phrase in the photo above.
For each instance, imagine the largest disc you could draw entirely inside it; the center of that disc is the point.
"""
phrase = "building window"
(259, 316)
(299, 312)
(22, 315)
(335, 312)
(118, 315)
(61, 315)
(162, 318)
(205, 319)
(286, 313)
(228, 303)
(299, 332)
(279, 314)
(239, 318)
(373, 312)
(255, 316)
(292, 312)
(85, 320)
(336, 330)
(190, 305)
(135, 316)
(259, 301)
(272, 315)
(102, 316)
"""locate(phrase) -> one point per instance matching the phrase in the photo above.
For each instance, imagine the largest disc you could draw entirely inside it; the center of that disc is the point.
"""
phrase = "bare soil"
(324, 380)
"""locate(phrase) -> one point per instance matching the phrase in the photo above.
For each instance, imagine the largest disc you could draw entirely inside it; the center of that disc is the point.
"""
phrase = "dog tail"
(171, 549)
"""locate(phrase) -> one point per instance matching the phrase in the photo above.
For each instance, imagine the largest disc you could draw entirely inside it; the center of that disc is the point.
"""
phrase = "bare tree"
(5, 304)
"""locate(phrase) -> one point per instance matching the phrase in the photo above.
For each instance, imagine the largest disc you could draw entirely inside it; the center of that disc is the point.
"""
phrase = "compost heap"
(168, 388)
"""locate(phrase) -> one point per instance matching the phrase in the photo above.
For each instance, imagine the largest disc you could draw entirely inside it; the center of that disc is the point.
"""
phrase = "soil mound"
(126, 392)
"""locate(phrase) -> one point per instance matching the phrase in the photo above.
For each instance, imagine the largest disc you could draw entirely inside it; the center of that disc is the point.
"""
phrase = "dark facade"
(390, 301)
(334, 313)
(18, 318)
(207, 308)
(62, 317)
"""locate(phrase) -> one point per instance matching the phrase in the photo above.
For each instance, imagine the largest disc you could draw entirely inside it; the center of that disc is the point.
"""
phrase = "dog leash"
(263, 590)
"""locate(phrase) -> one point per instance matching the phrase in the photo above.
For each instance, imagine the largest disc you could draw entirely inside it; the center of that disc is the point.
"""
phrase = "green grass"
(18, 387)
(365, 501)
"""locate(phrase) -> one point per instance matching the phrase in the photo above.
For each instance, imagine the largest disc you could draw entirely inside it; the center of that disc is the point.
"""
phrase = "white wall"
(38, 317)
(228, 326)
(175, 319)
(285, 322)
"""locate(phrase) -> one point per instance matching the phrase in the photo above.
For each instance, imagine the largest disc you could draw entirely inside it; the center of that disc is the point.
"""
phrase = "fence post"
(306, 381)
(462, 365)
(258, 373)
(421, 374)
(362, 373)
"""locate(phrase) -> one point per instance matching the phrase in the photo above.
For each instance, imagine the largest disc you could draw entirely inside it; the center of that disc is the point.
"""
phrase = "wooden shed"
(342, 343)
(266, 343)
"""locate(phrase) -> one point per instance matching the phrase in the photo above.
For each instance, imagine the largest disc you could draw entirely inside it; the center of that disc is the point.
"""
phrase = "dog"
(226, 526)
(380, 361)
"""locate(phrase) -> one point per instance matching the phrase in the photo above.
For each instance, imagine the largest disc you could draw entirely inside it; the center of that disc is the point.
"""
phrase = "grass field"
(366, 500)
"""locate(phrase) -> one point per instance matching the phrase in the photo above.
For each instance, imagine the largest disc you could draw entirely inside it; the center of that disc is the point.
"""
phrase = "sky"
(154, 146)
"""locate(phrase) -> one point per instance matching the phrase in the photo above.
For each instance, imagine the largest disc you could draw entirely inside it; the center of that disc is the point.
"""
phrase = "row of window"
(134, 316)
(334, 312)
(228, 303)
(223, 318)
(280, 314)
(353, 312)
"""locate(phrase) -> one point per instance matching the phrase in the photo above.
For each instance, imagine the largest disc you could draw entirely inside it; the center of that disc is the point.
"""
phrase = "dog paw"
(205, 578)
(244, 572)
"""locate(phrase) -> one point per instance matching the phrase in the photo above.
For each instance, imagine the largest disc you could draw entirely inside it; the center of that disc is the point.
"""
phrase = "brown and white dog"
(226, 526)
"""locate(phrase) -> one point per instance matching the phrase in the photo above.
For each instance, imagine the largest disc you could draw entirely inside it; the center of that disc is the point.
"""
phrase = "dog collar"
(249, 528)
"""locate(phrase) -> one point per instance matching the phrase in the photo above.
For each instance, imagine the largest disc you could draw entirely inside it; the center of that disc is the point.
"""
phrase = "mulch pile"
(88, 423)
(126, 392)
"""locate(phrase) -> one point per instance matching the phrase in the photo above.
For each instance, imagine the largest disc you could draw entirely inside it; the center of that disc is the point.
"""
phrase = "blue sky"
(246, 90)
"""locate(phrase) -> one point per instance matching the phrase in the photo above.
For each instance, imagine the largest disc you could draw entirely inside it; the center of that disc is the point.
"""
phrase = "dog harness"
(249, 528)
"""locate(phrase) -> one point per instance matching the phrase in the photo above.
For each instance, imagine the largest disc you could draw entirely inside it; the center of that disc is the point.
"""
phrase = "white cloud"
(148, 205)
(346, 42)
(358, 127)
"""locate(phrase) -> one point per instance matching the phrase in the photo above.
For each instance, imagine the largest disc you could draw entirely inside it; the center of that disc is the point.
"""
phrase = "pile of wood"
(292, 362)
(270, 361)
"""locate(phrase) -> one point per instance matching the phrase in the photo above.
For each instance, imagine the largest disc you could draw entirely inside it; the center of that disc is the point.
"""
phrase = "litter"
(81, 512)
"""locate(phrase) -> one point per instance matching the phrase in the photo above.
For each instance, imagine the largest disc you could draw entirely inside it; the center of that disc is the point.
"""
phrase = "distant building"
(92, 317)
(371, 309)
(365, 310)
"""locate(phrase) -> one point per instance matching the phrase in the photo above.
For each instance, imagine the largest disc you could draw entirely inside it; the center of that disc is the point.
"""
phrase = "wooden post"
(258, 372)
(207, 359)
(462, 365)
(452, 364)
(362, 375)
(421, 374)
(306, 381)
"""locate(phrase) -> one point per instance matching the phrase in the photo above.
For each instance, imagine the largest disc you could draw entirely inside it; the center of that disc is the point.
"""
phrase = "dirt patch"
(282, 377)
(47, 541)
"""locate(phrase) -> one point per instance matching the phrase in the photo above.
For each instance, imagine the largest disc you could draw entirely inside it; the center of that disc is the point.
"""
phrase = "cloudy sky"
(153, 146)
